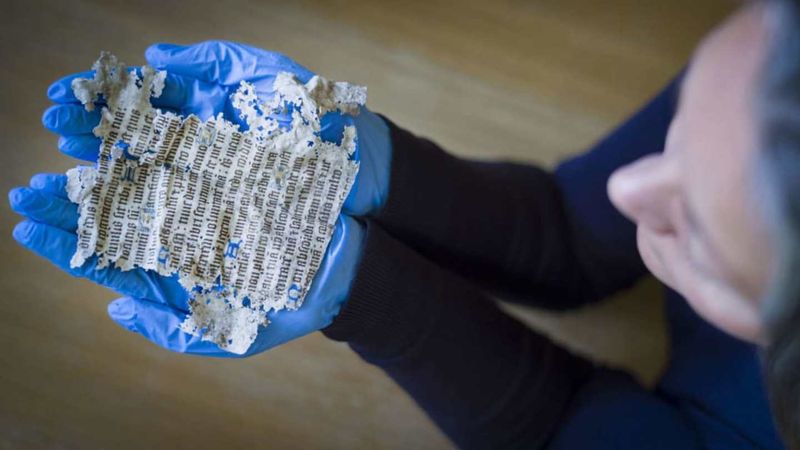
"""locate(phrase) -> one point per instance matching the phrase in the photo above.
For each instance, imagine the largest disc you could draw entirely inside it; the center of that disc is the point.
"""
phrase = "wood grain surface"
(532, 80)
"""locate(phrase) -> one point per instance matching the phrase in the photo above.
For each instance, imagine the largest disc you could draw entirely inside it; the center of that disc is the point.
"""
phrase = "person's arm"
(547, 239)
(483, 377)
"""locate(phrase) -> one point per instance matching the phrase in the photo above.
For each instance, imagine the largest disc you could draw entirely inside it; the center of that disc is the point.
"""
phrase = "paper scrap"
(243, 217)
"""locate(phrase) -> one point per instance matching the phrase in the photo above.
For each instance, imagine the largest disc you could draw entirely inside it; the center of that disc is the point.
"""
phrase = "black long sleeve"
(486, 379)
(451, 227)
(547, 239)
(501, 225)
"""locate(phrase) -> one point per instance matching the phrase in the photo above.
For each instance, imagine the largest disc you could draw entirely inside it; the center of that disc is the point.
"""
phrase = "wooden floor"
(532, 80)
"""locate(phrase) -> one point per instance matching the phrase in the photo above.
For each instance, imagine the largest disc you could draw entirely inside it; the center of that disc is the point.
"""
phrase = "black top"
(454, 231)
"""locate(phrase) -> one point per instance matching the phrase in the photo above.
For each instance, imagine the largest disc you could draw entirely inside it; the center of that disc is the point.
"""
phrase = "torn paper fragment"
(243, 217)
(118, 86)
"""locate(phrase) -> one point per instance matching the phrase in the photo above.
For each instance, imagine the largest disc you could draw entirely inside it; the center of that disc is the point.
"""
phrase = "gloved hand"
(154, 306)
(201, 79)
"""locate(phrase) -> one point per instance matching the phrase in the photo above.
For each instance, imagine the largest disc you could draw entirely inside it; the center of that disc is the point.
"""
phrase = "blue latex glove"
(154, 305)
(201, 79)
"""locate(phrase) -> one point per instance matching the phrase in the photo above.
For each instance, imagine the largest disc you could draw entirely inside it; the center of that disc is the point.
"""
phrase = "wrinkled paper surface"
(242, 217)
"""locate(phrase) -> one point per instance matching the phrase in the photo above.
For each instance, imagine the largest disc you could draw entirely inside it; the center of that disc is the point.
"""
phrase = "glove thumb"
(159, 324)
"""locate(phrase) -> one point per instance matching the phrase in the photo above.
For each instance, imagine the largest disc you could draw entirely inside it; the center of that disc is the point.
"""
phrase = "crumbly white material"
(243, 217)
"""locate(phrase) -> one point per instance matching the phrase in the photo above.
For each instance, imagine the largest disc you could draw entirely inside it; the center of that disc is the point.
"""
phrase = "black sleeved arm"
(485, 379)
(546, 239)
(452, 227)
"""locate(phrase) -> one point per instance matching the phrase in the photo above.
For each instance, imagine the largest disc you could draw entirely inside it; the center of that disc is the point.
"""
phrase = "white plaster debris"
(243, 217)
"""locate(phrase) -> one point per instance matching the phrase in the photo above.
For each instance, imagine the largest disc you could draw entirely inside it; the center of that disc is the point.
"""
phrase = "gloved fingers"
(223, 62)
(44, 207)
(57, 246)
(85, 147)
(160, 324)
(72, 122)
(50, 183)
(171, 97)
(70, 119)
(61, 90)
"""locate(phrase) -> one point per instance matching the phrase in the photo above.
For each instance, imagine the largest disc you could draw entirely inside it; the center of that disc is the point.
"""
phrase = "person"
(702, 192)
